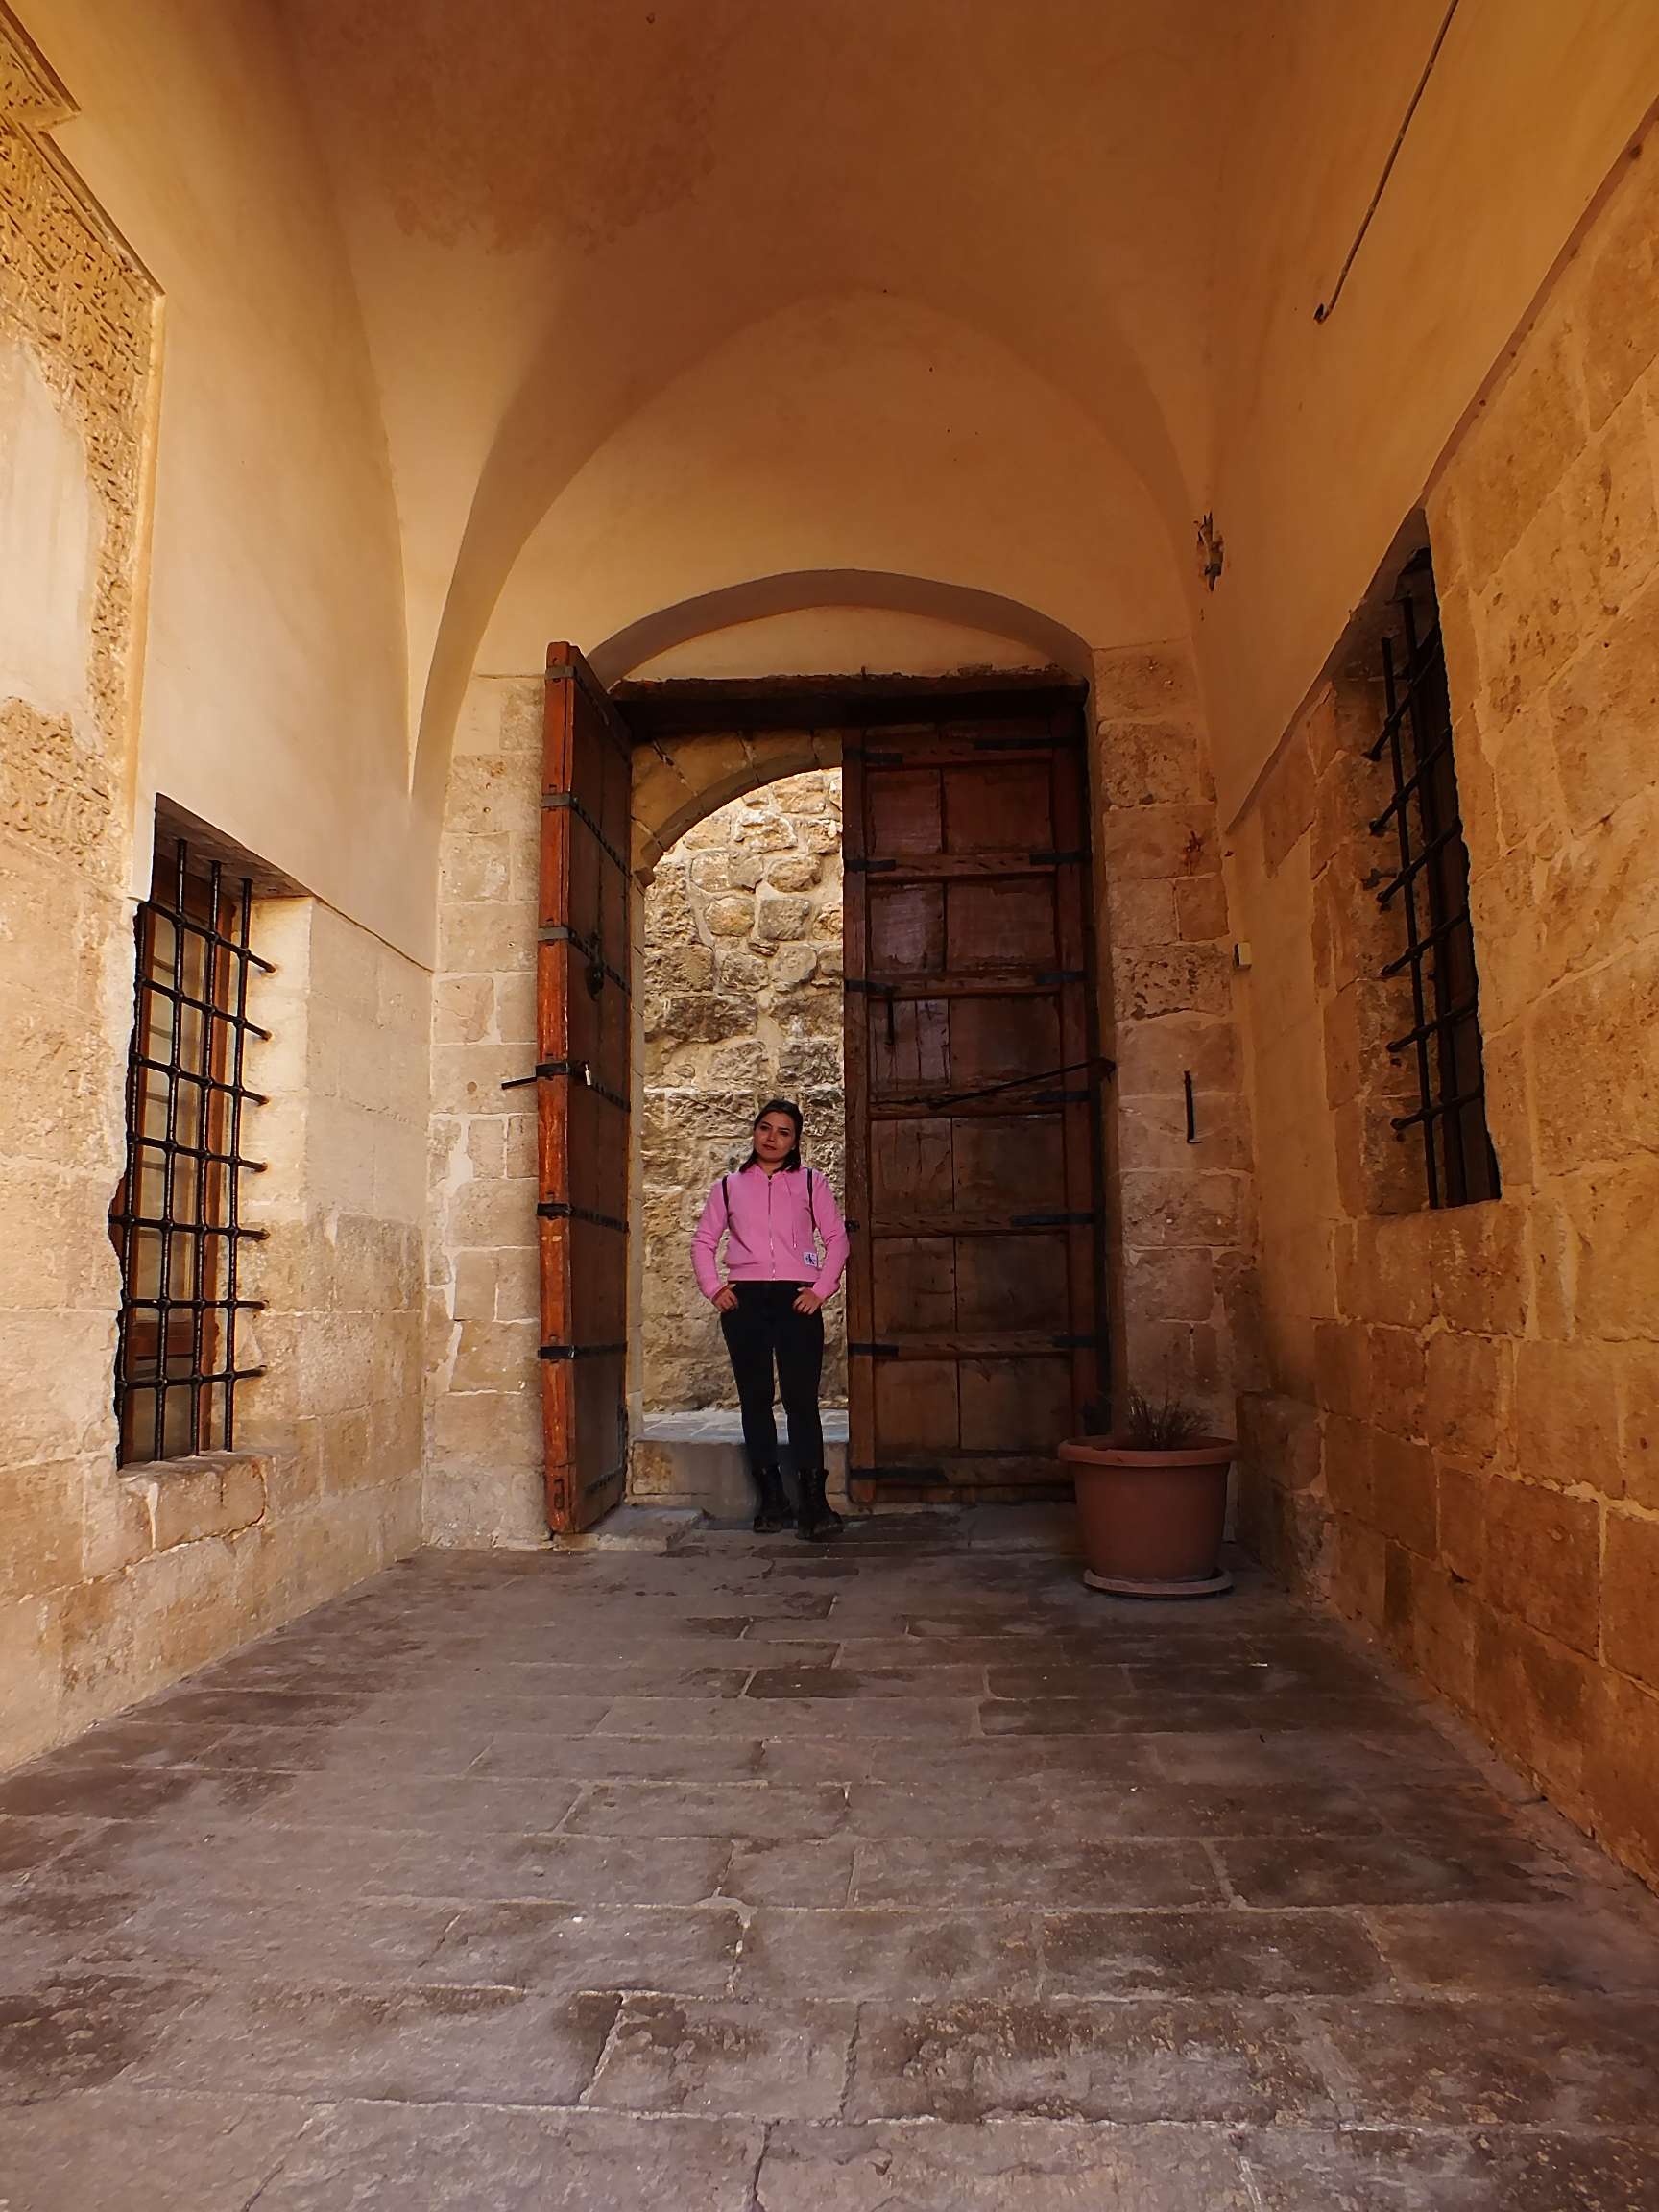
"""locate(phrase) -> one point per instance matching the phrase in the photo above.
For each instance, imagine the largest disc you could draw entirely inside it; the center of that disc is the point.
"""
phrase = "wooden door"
(972, 1153)
(583, 1094)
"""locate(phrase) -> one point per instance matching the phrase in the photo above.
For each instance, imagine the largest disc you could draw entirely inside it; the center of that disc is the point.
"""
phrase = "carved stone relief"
(79, 300)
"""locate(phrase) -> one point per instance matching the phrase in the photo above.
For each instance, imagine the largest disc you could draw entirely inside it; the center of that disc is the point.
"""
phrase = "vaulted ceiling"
(801, 216)
(669, 298)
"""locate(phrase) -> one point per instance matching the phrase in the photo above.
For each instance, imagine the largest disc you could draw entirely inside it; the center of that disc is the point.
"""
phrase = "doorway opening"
(942, 1041)
(741, 976)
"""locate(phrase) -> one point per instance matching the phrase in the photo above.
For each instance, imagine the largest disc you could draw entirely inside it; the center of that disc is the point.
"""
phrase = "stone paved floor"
(912, 1878)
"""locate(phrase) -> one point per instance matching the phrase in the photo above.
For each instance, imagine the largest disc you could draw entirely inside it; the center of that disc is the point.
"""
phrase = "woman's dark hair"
(778, 1106)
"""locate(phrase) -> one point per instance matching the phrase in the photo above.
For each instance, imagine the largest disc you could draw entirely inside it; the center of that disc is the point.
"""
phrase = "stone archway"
(1180, 1278)
(678, 781)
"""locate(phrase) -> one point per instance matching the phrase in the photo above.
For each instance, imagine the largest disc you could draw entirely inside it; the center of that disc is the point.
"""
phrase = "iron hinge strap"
(862, 864)
(1078, 1219)
(561, 933)
(610, 721)
(579, 1351)
(561, 1210)
(870, 1351)
(578, 1071)
(568, 803)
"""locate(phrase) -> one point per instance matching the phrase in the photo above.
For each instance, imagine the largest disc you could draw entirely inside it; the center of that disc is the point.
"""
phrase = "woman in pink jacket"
(785, 1248)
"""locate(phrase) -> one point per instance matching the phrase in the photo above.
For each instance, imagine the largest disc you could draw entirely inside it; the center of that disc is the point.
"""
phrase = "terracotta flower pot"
(1151, 1522)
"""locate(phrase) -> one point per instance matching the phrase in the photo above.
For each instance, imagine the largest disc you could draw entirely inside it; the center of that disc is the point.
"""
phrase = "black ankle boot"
(817, 1520)
(775, 1512)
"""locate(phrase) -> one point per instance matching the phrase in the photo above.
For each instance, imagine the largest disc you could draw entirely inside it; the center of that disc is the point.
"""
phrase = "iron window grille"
(1431, 885)
(177, 1222)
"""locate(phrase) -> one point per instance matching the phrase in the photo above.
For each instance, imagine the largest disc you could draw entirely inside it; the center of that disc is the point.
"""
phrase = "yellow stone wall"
(483, 1411)
(1456, 1431)
(76, 315)
(1178, 1213)
(114, 1582)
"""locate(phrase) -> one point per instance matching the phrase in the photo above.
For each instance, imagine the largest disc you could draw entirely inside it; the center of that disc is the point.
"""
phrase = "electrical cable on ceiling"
(1326, 307)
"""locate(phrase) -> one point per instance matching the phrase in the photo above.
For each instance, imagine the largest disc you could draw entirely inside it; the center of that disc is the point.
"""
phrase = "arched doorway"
(974, 1310)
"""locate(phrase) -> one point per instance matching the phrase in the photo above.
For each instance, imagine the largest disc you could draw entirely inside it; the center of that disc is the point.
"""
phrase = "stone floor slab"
(772, 1811)
(1484, 2170)
(408, 2044)
(1209, 1953)
(668, 1950)
(440, 2158)
(1004, 2166)
(1139, 2061)
(143, 2152)
(867, 1953)
(973, 1872)
(772, 2061)
(910, 1877)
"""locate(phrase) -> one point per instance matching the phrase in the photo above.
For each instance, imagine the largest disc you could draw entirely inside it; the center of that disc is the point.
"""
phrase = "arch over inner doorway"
(1050, 643)
(678, 781)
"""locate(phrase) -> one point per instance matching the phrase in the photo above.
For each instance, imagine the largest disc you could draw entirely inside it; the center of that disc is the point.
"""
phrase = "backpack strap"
(726, 1197)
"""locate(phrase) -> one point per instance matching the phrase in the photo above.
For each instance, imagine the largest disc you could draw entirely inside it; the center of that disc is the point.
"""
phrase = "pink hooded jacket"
(774, 1225)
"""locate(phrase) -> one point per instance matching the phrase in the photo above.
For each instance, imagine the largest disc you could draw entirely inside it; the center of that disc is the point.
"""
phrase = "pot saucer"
(1124, 1586)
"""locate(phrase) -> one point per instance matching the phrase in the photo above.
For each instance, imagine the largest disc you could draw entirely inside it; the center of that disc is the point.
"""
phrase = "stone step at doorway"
(696, 1459)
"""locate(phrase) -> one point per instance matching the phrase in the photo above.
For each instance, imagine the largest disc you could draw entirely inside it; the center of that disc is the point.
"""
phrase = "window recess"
(1428, 888)
(176, 1220)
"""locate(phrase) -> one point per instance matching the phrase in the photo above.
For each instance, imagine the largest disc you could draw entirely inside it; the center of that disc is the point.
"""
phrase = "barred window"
(177, 1222)
(1428, 888)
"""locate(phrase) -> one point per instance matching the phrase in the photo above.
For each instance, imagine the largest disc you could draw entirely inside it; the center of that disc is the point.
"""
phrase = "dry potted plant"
(1152, 1501)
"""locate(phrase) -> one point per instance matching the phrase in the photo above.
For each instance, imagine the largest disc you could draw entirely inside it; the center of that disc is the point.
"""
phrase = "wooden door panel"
(906, 812)
(911, 1169)
(973, 1327)
(582, 1036)
(592, 1126)
(909, 1043)
(906, 928)
(916, 1286)
(1000, 807)
(916, 1405)
(992, 1039)
(1003, 923)
(1012, 1282)
(999, 1160)
(1006, 1405)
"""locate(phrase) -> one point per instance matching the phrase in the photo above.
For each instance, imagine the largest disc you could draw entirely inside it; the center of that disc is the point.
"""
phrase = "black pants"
(762, 1328)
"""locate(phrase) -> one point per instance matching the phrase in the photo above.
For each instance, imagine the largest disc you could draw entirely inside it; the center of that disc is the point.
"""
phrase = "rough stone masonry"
(742, 940)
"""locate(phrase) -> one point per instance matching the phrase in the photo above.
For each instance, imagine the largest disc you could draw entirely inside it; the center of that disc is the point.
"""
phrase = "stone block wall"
(176, 1563)
(1456, 1435)
(113, 1582)
(483, 1406)
(1179, 1219)
(337, 1414)
(742, 1001)
(75, 317)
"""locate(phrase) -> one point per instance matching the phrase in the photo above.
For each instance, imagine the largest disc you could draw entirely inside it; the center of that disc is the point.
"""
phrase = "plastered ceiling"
(666, 298)
(560, 209)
